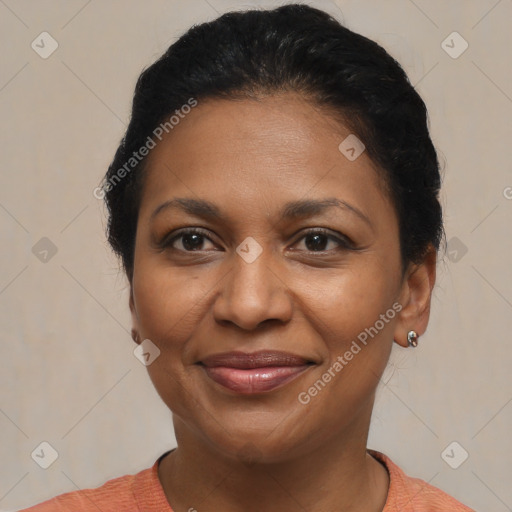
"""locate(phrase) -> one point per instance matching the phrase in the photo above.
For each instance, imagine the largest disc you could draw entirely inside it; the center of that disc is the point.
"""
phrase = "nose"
(253, 293)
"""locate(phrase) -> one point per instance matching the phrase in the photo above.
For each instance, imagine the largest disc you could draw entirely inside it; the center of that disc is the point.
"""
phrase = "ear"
(415, 297)
(135, 318)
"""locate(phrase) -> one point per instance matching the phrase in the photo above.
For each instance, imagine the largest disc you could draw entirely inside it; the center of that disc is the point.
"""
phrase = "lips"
(257, 372)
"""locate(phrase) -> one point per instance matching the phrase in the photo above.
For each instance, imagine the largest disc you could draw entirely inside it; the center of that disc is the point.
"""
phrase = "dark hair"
(290, 48)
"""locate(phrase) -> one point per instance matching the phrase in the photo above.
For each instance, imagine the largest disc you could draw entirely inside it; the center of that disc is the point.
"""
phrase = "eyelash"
(344, 242)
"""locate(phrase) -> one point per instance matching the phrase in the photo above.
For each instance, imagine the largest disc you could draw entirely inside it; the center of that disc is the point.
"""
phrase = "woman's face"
(259, 276)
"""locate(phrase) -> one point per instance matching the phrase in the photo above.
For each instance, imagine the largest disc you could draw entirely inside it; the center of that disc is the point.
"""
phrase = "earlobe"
(135, 336)
(134, 333)
(131, 303)
(416, 298)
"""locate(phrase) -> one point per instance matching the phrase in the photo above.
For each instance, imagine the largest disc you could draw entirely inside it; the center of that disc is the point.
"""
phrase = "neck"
(334, 474)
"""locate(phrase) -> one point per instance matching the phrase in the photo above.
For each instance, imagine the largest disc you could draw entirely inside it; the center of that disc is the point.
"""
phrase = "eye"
(317, 239)
(191, 240)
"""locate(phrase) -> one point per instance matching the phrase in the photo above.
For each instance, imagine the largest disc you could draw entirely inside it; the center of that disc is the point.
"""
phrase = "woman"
(274, 203)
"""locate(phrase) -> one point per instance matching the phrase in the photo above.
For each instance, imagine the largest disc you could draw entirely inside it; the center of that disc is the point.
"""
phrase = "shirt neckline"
(150, 496)
(148, 491)
(396, 484)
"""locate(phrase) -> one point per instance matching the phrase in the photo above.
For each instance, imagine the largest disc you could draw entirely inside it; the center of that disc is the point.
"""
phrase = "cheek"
(355, 319)
(348, 302)
(353, 312)
(168, 301)
(168, 306)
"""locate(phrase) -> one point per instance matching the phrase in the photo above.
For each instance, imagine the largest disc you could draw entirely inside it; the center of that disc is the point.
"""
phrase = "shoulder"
(118, 494)
(408, 494)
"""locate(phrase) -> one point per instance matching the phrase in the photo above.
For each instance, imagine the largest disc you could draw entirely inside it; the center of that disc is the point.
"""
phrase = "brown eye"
(190, 239)
(317, 240)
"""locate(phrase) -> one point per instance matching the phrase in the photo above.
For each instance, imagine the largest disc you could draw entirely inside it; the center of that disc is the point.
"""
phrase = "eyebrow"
(291, 210)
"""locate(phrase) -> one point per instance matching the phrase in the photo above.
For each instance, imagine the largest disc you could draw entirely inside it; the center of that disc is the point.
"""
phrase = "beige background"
(68, 375)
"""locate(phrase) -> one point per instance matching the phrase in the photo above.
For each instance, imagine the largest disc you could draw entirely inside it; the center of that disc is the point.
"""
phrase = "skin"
(268, 451)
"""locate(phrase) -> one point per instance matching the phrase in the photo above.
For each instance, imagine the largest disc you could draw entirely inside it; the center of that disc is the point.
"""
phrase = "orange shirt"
(143, 492)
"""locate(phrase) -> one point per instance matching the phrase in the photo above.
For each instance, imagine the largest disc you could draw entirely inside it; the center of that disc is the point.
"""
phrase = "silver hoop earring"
(412, 339)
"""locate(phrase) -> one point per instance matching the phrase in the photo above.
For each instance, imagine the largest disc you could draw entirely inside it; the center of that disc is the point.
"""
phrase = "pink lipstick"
(258, 372)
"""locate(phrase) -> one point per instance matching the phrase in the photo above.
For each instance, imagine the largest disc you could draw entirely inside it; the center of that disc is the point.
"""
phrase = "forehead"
(276, 146)
(277, 122)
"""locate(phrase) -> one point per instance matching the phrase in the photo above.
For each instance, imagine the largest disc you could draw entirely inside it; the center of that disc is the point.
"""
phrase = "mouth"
(251, 373)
